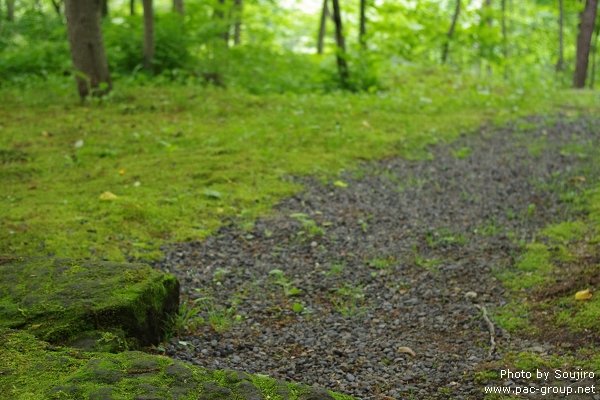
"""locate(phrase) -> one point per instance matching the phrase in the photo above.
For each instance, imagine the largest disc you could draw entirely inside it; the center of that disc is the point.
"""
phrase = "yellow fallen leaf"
(407, 350)
(108, 196)
(583, 295)
(341, 184)
(122, 171)
(366, 124)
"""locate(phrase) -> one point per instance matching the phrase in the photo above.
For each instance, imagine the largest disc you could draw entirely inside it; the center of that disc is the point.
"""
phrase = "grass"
(180, 160)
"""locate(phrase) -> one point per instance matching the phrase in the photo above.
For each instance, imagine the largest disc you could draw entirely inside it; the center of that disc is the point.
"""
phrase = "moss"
(184, 159)
(565, 232)
(35, 370)
(580, 316)
(513, 317)
(64, 300)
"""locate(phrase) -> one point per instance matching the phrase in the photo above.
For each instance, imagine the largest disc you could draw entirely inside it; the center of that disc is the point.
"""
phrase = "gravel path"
(341, 284)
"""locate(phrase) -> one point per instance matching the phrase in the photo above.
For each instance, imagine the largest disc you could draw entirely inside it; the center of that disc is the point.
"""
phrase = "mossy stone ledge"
(77, 302)
(32, 369)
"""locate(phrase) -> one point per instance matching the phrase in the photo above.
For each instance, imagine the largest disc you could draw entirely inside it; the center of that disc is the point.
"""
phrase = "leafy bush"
(123, 39)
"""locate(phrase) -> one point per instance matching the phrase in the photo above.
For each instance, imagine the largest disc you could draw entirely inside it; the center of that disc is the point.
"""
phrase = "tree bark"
(322, 26)
(131, 7)
(87, 47)
(587, 21)
(178, 6)
(148, 34)
(451, 31)
(560, 63)
(10, 10)
(237, 25)
(362, 31)
(341, 44)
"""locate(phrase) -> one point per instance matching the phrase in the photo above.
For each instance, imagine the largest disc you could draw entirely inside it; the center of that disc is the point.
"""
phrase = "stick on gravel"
(490, 327)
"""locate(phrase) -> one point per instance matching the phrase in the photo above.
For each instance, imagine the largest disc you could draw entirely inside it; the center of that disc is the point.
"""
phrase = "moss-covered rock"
(32, 369)
(89, 304)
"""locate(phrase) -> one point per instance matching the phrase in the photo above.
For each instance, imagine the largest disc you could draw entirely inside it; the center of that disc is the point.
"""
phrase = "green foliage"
(278, 277)
(123, 40)
(348, 300)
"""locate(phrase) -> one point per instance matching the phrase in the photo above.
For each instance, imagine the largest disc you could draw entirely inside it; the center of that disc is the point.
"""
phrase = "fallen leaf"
(366, 124)
(108, 196)
(341, 184)
(578, 179)
(583, 295)
(122, 171)
(78, 144)
(407, 350)
(46, 134)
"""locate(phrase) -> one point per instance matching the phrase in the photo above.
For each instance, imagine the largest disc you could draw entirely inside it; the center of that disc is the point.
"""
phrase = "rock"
(471, 295)
(62, 301)
(36, 370)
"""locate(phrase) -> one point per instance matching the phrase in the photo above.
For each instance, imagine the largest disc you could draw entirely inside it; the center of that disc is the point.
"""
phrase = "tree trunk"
(148, 34)
(10, 10)
(104, 8)
(363, 24)
(221, 16)
(237, 25)
(450, 33)
(560, 63)
(56, 4)
(87, 47)
(504, 29)
(322, 26)
(587, 21)
(131, 7)
(485, 48)
(178, 6)
(341, 44)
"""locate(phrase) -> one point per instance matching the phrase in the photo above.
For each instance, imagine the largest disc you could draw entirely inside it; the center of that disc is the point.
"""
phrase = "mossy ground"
(182, 160)
(59, 300)
(31, 369)
(564, 259)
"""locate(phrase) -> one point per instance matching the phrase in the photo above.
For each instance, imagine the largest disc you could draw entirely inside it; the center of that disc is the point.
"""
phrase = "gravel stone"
(400, 257)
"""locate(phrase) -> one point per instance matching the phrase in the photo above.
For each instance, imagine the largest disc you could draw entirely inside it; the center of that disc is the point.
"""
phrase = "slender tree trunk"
(451, 31)
(56, 4)
(341, 44)
(87, 47)
(104, 8)
(504, 28)
(148, 34)
(10, 10)
(178, 6)
(131, 7)
(220, 15)
(584, 38)
(237, 25)
(560, 63)
(362, 32)
(322, 26)
(486, 22)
